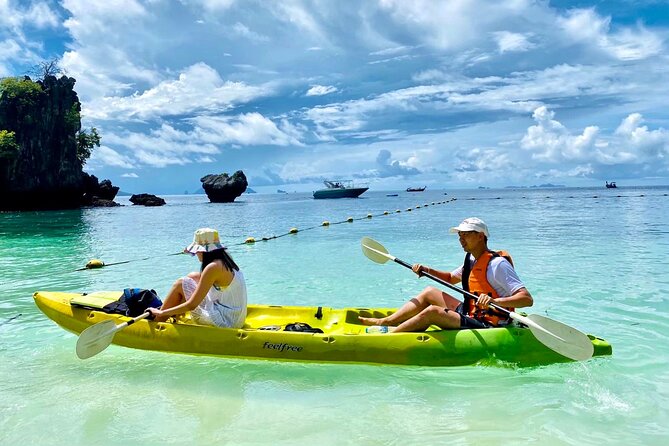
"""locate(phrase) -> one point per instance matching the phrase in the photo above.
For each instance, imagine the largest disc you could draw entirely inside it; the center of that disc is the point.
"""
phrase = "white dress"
(222, 307)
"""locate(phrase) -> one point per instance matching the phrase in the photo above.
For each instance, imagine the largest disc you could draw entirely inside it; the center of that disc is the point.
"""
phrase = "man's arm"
(519, 299)
(446, 276)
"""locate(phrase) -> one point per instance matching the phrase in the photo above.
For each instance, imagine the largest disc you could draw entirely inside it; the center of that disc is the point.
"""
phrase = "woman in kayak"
(485, 273)
(216, 295)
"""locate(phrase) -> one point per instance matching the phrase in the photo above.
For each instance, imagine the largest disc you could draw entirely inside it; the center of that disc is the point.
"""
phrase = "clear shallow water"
(591, 258)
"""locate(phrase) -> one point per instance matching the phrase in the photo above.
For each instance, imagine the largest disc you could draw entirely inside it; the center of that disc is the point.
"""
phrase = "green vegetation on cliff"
(8, 147)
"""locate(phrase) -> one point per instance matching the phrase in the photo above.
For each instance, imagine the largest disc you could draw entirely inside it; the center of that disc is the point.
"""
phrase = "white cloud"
(518, 93)
(428, 18)
(106, 156)
(245, 129)
(390, 51)
(198, 88)
(650, 144)
(213, 5)
(130, 175)
(299, 16)
(387, 167)
(550, 141)
(166, 145)
(430, 75)
(9, 49)
(585, 25)
(88, 15)
(473, 165)
(243, 31)
(630, 45)
(15, 21)
(157, 159)
(115, 64)
(103, 70)
(508, 41)
(165, 139)
(40, 15)
(321, 90)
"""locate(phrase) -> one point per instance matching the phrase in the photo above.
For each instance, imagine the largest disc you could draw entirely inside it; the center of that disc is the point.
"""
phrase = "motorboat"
(339, 189)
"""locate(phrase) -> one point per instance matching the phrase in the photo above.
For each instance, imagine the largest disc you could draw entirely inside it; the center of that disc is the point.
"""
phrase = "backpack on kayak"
(303, 327)
(133, 302)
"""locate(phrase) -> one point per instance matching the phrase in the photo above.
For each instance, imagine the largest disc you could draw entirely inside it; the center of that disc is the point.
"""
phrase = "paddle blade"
(95, 339)
(374, 250)
(568, 341)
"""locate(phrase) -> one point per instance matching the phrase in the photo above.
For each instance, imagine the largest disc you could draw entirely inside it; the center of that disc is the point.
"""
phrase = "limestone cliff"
(40, 165)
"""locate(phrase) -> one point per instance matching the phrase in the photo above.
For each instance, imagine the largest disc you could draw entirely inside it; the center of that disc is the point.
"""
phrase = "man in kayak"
(485, 273)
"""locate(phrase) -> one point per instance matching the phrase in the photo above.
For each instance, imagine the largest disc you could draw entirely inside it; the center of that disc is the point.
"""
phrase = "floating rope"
(9, 320)
(97, 263)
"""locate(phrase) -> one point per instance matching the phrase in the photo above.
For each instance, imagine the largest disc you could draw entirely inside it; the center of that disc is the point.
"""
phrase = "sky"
(392, 93)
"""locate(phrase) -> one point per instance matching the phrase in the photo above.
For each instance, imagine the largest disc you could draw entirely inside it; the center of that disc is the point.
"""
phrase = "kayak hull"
(343, 339)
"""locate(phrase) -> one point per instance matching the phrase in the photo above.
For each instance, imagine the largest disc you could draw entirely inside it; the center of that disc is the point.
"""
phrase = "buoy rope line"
(97, 263)
(9, 320)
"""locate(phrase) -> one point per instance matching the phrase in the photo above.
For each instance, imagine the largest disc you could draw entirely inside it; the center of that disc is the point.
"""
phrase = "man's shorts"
(470, 322)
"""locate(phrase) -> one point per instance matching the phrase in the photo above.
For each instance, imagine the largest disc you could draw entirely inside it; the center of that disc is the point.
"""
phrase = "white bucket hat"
(471, 224)
(204, 240)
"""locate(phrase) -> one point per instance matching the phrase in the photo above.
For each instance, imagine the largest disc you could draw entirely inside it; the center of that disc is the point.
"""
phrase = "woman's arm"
(213, 273)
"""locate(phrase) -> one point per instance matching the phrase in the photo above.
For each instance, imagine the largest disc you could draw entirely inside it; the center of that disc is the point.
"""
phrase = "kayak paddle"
(561, 338)
(98, 337)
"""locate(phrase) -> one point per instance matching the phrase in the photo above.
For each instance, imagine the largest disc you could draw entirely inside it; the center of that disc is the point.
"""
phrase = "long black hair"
(218, 254)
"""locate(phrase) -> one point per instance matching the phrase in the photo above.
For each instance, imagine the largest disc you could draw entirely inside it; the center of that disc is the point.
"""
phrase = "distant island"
(541, 186)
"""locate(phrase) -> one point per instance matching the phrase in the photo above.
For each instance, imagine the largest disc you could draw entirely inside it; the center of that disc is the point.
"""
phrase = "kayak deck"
(343, 339)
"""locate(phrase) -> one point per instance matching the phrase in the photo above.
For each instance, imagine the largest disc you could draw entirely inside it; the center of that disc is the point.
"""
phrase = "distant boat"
(392, 195)
(339, 189)
(611, 185)
(279, 191)
(416, 189)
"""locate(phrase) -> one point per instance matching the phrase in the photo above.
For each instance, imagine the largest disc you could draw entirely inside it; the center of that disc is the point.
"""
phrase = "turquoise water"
(593, 258)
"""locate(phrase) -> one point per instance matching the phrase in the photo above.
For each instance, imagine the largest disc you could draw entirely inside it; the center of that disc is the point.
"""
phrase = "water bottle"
(377, 329)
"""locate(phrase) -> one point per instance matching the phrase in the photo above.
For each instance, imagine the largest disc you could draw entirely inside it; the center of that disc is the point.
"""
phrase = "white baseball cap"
(471, 224)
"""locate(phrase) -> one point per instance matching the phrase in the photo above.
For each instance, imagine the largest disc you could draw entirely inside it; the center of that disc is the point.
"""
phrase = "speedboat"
(340, 189)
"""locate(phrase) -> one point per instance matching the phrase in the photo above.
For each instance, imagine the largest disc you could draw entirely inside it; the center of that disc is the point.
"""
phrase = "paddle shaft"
(450, 285)
(132, 321)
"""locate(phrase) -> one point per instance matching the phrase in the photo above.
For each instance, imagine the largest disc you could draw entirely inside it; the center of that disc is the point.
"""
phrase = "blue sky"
(395, 93)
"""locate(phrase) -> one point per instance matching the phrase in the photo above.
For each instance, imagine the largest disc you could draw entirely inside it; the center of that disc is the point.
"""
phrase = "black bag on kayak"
(303, 327)
(133, 302)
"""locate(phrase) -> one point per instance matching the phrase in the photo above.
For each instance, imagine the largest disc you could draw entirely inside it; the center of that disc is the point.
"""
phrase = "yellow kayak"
(343, 338)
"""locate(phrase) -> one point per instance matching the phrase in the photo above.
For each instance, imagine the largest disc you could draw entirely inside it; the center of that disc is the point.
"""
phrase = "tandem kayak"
(343, 338)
